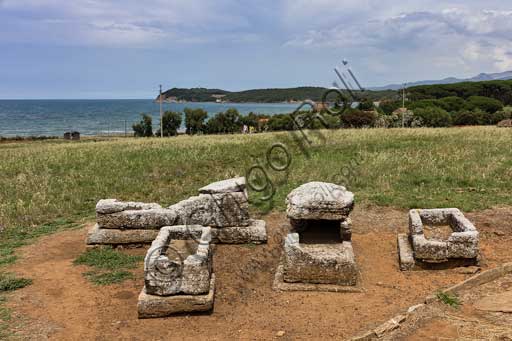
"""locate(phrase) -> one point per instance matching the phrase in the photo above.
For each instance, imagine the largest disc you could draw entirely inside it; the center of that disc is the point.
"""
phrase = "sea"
(103, 117)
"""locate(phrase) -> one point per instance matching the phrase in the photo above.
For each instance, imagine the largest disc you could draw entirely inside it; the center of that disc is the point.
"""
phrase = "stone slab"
(319, 201)
(151, 306)
(225, 186)
(99, 236)
(405, 253)
(280, 285)
(254, 233)
(498, 303)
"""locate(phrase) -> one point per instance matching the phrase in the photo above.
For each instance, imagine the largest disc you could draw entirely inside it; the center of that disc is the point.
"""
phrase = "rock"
(280, 333)
(462, 243)
(188, 272)
(216, 210)
(469, 270)
(498, 303)
(405, 253)
(160, 306)
(153, 218)
(108, 206)
(319, 200)
(99, 236)
(499, 233)
(389, 325)
(225, 186)
(319, 263)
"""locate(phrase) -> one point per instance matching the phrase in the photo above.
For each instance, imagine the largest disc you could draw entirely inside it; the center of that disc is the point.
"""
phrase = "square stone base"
(150, 306)
(407, 261)
(280, 285)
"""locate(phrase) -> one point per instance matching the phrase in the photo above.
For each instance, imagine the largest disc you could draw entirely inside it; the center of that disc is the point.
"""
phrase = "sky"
(125, 49)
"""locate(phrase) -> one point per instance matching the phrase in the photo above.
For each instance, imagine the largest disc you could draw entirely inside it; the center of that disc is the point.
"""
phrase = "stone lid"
(224, 186)
(319, 200)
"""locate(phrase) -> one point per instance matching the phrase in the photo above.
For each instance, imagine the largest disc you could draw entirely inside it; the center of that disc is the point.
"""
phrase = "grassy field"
(469, 168)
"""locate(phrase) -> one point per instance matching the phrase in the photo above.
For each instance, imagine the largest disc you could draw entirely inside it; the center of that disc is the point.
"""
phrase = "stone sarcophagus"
(222, 205)
(318, 252)
(458, 246)
(178, 276)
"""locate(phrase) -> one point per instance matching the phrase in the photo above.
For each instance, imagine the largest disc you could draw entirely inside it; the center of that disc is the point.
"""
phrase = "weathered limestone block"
(225, 186)
(186, 274)
(108, 206)
(319, 263)
(153, 218)
(462, 243)
(216, 210)
(319, 201)
(254, 233)
(99, 236)
(150, 306)
(346, 230)
(405, 253)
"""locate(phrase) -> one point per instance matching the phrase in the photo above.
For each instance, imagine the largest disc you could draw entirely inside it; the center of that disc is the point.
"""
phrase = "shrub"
(194, 120)
(358, 119)
(452, 103)
(224, 122)
(387, 107)
(405, 119)
(144, 128)
(366, 105)
(467, 118)
(498, 116)
(434, 117)
(280, 122)
(424, 104)
(171, 123)
(487, 104)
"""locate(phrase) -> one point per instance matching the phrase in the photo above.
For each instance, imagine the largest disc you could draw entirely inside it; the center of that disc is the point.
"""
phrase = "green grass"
(9, 282)
(109, 266)
(107, 278)
(448, 299)
(15, 237)
(469, 168)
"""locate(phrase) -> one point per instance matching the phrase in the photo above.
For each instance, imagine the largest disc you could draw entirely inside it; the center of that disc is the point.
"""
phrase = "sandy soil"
(62, 304)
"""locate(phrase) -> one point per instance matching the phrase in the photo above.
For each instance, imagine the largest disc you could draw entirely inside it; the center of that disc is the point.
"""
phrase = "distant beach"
(99, 117)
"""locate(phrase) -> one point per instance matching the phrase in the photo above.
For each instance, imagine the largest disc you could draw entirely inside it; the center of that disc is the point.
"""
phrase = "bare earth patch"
(62, 304)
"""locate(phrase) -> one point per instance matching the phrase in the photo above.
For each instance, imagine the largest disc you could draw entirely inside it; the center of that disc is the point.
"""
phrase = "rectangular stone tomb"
(318, 253)
(222, 205)
(438, 238)
(178, 276)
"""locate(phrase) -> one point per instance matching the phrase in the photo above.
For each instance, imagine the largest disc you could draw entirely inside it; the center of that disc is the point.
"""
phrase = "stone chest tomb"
(426, 245)
(318, 252)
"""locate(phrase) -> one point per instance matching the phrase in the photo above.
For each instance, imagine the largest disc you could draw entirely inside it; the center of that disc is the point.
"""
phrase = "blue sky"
(124, 49)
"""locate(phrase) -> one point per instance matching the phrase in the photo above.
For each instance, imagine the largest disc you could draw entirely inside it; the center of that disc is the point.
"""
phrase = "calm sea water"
(96, 117)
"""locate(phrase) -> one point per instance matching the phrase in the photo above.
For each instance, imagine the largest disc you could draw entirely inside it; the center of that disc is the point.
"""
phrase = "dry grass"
(469, 168)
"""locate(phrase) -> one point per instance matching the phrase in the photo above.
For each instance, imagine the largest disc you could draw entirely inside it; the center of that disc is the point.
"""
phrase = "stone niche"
(438, 238)
(222, 205)
(318, 252)
(178, 276)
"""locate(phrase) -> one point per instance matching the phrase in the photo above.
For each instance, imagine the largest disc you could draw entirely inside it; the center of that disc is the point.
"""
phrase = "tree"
(487, 104)
(171, 123)
(387, 107)
(358, 118)
(366, 105)
(434, 117)
(224, 122)
(194, 120)
(452, 103)
(144, 128)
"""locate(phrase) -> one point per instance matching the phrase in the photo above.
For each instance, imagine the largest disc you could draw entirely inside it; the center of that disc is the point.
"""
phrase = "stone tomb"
(318, 252)
(222, 205)
(458, 246)
(178, 276)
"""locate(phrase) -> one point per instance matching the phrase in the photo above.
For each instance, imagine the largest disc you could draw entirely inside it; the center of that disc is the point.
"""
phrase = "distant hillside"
(262, 95)
(451, 80)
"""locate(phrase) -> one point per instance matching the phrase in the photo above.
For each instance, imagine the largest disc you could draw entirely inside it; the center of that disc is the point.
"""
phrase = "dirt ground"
(61, 304)
(469, 321)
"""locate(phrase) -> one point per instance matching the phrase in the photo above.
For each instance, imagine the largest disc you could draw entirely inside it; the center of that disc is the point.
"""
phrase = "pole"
(403, 106)
(161, 114)
(125, 131)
